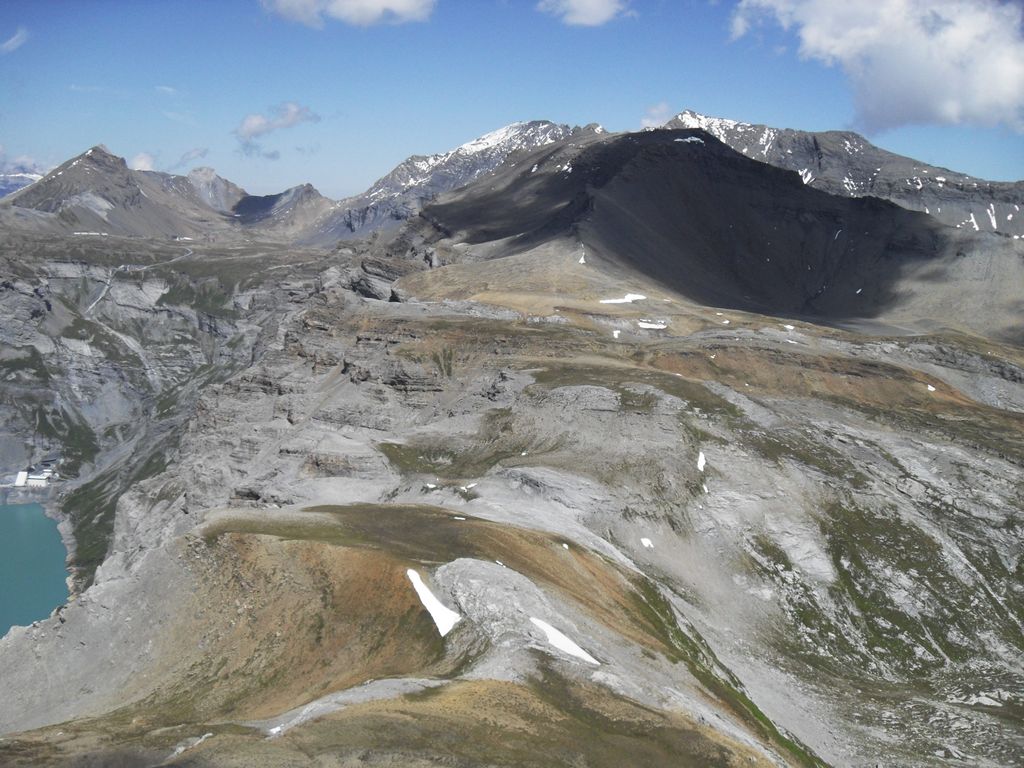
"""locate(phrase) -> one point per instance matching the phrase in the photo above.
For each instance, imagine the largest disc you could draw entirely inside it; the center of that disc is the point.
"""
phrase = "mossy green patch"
(692, 650)
(496, 441)
(795, 446)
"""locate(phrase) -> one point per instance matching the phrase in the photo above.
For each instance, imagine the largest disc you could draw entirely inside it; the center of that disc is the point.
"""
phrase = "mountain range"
(699, 445)
(841, 163)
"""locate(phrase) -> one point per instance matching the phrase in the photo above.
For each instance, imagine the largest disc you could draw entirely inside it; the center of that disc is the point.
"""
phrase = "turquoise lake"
(31, 565)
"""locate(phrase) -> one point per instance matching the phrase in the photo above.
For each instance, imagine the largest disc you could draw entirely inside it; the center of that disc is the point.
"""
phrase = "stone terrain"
(774, 511)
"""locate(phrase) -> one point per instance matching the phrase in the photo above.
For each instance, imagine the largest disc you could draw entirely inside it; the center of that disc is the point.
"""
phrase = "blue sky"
(281, 92)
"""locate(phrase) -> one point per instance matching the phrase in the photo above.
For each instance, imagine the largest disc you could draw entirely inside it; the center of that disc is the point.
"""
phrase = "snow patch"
(563, 643)
(701, 461)
(651, 325)
(185, 747)
(443, 617)
(629, 298)
(647, 543)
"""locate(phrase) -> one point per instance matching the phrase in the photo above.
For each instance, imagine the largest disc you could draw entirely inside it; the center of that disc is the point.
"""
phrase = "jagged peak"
(509, 133)
(713, 125)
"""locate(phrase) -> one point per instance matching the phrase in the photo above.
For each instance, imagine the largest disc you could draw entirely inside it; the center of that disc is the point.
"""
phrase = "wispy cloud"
(911, 61)
(185, 118)
(166, 90)
(197, 153)
(15, 41)
(19, 163)
(584, 13)
(256, 125)
(656, 115)
(358, 12)
(98, 90)
(142, 162)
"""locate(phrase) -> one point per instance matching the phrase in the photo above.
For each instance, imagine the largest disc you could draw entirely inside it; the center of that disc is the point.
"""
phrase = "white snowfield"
(651, 326)
(444, 617)
(563, 643)
(629, 298)
(647, 543)
(701, 461)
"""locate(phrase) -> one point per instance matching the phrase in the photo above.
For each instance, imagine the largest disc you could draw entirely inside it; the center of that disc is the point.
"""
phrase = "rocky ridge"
(402, 193)
(845, 163)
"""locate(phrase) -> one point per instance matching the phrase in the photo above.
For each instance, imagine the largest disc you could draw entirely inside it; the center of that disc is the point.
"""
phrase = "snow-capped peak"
(716, 126)
(491, 140)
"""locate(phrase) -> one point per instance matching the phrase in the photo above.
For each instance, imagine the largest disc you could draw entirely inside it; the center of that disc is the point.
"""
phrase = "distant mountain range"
(12, 182)
(419, 179)
(96, 193)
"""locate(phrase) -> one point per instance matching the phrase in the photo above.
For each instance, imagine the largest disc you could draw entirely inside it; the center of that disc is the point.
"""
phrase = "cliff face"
(106, 347)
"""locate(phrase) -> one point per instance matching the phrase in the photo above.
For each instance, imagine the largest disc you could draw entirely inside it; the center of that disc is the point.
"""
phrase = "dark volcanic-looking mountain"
(687, 211)
(845, 163)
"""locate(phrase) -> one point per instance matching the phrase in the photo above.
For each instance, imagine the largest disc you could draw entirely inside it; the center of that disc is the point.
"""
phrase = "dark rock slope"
(685, 210)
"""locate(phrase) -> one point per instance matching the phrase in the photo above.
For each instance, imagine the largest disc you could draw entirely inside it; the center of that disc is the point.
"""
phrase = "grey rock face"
(218, 193)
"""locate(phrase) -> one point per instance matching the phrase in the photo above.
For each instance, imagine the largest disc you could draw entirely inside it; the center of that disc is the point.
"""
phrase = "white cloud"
(167, 90)
(583, 13)
(282, 116)
(15, 41)
(359, 12)
(18, 164)
(911, 61)
(142, 162)
(656, 116)
(197, 153)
